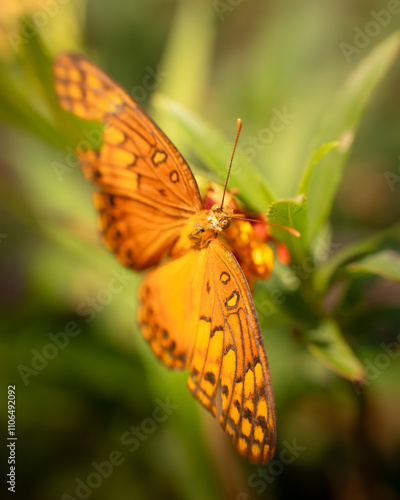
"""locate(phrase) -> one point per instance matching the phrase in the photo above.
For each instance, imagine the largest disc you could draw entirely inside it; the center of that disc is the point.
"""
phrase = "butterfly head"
(202, 228)
(223, 216)
(211, 223)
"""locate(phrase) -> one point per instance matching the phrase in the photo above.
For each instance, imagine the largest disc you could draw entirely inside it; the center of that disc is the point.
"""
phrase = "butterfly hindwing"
(136, 163)
(169, 305)
(216, 335)
(229, 349)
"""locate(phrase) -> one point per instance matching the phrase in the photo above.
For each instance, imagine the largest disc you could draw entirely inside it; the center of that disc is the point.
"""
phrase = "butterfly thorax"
(202, 228)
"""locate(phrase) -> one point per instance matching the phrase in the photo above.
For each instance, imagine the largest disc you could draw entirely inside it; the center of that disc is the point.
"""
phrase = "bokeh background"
(92, 399)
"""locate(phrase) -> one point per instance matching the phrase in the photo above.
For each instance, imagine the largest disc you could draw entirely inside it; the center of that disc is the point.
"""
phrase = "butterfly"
(196, 310)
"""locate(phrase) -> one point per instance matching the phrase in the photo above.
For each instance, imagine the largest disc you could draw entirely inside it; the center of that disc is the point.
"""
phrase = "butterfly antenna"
(290, 230)
(238, 129)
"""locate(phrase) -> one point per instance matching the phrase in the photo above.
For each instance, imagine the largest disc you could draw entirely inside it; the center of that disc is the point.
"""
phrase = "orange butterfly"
(196, 311)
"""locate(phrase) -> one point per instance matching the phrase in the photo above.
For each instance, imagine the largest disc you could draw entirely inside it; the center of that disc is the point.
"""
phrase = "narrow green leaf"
(215, 151)
(385, 264)
(327, 343)
(341, 125)
(325, 274)
(28, 100)
(316, 157)
(37, 64)
(193, 32)
(16, 107)
(290, 212)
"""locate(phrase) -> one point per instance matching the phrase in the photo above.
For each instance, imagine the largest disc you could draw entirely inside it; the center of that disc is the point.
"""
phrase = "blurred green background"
(89, 401)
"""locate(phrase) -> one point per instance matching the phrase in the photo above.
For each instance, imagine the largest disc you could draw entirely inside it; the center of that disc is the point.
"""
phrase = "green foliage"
(328, 344)
(385, 264)
(341, 125)
(215, 151)
(309, 211)
(326, 317)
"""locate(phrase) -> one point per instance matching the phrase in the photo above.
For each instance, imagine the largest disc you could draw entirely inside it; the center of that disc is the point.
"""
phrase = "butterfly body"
(201, 229)
(196, 309)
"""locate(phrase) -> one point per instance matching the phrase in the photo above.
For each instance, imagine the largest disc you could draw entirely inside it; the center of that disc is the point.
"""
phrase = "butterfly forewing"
(136, 163)
(139, 237)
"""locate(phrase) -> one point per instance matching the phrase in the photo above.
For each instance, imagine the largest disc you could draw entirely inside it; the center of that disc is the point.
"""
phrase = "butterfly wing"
(169, 301)
(147, 190)
(214, 333)
(229, 347)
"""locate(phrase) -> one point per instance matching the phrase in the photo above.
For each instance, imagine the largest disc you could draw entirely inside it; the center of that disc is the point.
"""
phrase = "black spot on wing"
(174, 176)
(218, 328)
(232, 301)
(210, 377)
(225, 390)
(225, 278)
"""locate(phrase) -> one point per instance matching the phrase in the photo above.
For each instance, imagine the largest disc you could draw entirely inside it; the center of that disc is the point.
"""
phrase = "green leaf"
(290, 212)
(193, 32)
(37, 64)
(385, 264)
(316, 157)
(28, 100)
(341, 125)
(215, 151)
(327, 343)
(17, 108)
(327, 271)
